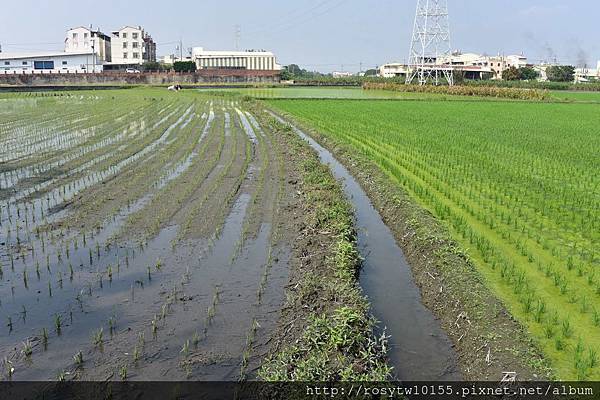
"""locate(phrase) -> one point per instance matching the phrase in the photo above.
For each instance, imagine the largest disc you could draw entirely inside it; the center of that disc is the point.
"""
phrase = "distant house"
(49, 63)
(87, 40)
(392, 70)
(337, 74)
(131, 46)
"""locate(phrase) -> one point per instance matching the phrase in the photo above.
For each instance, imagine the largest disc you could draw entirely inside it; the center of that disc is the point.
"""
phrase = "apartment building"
(132, 46)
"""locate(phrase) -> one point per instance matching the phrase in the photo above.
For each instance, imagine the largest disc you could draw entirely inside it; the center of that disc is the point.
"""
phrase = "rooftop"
(42, 54)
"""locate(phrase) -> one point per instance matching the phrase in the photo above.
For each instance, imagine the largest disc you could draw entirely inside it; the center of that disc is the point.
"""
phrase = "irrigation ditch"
(419, 350)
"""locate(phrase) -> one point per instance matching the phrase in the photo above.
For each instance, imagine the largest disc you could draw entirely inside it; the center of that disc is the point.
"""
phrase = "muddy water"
(123, 290)
(419, 348)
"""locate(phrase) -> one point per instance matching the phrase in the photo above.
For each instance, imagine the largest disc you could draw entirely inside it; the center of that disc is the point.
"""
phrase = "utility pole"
(430, 45)
(238, 36)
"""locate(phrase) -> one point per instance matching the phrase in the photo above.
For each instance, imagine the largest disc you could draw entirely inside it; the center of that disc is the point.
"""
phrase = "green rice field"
(354, 93)
(517, 184)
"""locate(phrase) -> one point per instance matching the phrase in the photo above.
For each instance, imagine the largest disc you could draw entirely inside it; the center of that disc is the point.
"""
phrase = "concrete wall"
(200, 77)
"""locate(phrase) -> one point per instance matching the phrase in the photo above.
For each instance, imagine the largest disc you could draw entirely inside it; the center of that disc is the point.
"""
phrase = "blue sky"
(318, 34)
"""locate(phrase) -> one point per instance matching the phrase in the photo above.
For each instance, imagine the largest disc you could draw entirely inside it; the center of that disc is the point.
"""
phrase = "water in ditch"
(419, 349)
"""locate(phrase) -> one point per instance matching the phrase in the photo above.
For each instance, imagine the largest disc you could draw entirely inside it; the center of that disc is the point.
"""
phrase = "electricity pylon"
(429, 58)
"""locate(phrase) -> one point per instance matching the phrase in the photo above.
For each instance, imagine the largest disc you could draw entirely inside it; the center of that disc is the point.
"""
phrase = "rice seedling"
(78, 358)
(596, 317)
(27, 349)
(195, 339)
(45, 337)
(185, 350)
(57, 323)
(112, 322)
(141, 339)
(548, 331)
(123, 372)
(98, 337)
(136, 355)
(559, 343)
(154, 327)
(592, 358)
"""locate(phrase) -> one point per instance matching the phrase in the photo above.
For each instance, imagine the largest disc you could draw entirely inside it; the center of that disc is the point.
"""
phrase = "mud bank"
(326, 331)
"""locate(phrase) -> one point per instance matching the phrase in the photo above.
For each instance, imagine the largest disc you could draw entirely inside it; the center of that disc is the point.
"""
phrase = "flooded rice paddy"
(140, 237)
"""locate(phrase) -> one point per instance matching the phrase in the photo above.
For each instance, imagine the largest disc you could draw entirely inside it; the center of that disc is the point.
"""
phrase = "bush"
(511, 74)
(591, 87)
(561, 73)
(184, 66)
(152, 66)
(480, 91)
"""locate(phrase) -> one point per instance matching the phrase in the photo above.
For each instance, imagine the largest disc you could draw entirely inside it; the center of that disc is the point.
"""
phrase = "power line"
(292, 24)
(32, 44)
(290, 17)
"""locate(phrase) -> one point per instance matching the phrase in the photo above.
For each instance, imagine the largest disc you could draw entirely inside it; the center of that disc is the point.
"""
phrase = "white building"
(49, 63)
(500, 63)
(250, 60)
(172, 59)
(86, 40)
(392, 70)
(342, 74)
(132, 46)
(583, 75)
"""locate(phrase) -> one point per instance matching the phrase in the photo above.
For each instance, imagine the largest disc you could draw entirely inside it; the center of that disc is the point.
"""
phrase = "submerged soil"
(170, 263)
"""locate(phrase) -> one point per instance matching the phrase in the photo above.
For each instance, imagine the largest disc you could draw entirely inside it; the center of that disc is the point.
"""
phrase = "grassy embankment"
(327, 331)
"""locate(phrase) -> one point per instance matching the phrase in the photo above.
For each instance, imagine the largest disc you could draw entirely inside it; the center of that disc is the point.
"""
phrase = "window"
(124, 35)
(85, 35)
(6, 62)
(124, 45)
(24, 62)
(64, 63)
(43, 64)
(124, 55)
(74, 36)
(136, 55)
(135, 45)
(134, 35)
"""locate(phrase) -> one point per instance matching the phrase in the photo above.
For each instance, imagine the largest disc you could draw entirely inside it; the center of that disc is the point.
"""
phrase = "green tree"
(528, 74)
(286, 75)
(184, 66)
(371, 72)
(561, 73)
(152, 66)
(511, 74)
